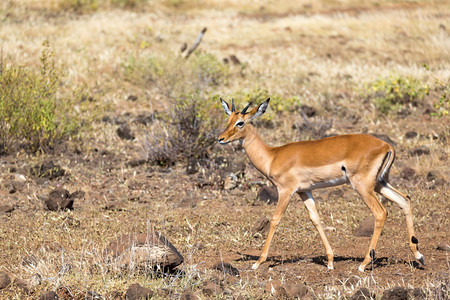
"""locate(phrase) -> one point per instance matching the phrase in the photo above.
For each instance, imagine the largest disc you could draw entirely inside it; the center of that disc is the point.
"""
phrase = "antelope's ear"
(260, 110)
(225, 106)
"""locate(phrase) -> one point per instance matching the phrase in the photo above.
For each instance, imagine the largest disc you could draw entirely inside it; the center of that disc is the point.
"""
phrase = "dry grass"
(324, 53)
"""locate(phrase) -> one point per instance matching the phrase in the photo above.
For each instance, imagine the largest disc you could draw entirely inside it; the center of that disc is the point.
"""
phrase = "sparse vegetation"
(123, 65)
(391, 93)
(31, 113)
(188, 131)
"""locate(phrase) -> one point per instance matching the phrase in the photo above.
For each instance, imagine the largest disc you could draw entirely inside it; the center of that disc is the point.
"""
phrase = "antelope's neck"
(257, 151)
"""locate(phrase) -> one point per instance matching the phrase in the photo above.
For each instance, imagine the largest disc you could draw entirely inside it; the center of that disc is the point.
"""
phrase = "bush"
(175, 76)
(31, 115)
(187, 132)
(393, 92)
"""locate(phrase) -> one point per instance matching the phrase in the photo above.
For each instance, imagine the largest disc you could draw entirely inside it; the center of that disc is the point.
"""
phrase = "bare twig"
(197, 42)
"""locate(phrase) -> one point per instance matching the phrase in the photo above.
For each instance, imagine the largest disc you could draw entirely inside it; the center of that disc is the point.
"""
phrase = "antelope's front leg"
(283, 200)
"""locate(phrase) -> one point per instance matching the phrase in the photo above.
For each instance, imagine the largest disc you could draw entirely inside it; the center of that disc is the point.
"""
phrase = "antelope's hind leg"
(386, 190)
(315, 219)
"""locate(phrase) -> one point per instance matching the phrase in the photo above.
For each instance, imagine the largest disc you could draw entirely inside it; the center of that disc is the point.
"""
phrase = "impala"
(361, 160)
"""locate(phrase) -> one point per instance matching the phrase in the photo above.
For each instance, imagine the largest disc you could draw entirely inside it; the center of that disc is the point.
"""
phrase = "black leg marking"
(372, 254)
(409, 198)
(414, 240)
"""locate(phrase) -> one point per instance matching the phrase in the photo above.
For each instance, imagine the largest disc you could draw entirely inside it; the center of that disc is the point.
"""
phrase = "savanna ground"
(382, 67)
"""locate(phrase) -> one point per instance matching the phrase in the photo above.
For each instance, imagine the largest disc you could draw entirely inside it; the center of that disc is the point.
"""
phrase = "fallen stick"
(197, 42)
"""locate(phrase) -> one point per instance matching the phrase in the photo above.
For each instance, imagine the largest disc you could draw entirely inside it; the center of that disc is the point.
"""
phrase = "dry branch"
(197, 42)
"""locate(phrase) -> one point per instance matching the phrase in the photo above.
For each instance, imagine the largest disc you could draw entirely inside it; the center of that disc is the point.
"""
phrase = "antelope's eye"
(240, 124)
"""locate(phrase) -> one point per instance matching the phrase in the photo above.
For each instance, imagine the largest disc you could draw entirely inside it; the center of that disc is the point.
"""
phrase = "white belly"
(329, 183)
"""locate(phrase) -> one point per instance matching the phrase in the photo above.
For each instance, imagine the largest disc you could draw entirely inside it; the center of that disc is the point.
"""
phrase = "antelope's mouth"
(222, 141)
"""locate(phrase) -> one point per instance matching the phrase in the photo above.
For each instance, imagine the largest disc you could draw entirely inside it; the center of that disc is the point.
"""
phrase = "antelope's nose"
(221, 139)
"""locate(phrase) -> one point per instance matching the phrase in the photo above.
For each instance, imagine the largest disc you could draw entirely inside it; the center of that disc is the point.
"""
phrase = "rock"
(366, 227)
(143, 251)
(115, 206)
(234, 60)
(419, 151)
(189, 295)
(132, 98)
(281, 293)
(410, 134)
(210, 289)
(443, 247)
(124, 132)
(59, 199)
(22, 284)
(5, 280)
(261, 226)
(49, 296)
(6, 208)
(397, 293)
(417, 294)
(432, 176)
(407, 173)
(226, 268)
(138, 292)
(136, 162)
(145, 119)
(230, 181)
(308, 110)
(268, 194)
(362, 294)
(47, 169)
(297, 291)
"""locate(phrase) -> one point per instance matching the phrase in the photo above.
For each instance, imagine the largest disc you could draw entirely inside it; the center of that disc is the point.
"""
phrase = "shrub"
(187, 132)
(175, 76)
(31, 115)
(391, 93)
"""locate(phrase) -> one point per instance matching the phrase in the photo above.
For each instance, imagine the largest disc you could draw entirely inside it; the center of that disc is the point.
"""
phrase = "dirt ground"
(208, 221)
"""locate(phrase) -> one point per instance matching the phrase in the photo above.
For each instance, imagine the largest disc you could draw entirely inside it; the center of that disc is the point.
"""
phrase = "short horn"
(245, 108)
(232, 105)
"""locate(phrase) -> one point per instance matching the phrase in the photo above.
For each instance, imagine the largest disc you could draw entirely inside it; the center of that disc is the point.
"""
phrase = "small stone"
(6, 208)
(226, 268)
(189, 295)
(124, 132)
(366, 227)
(268, 194)
(410, 134)
(137, 292)
(261, 226)
(49, 296)
(59, 199)
(432, 175)
(443, 247)
(419, 151)
(407, 173)
(230, 181)
(297, 291)
(132, 98)
(5, 280)
(362, 294)
(308, 110)
(417, 294)
(211, 289)
(397, 293)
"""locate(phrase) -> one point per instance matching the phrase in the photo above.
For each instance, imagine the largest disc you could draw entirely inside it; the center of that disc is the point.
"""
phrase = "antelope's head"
(237, 120)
